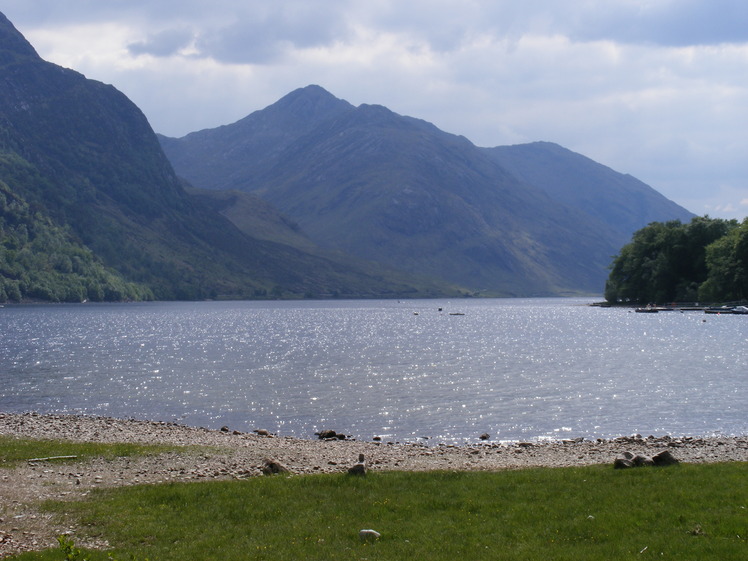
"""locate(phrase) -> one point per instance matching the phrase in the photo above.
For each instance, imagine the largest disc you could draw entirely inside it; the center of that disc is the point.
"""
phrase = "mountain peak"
(238, 145)
(12, 42)
(312, 90)
(309, 102)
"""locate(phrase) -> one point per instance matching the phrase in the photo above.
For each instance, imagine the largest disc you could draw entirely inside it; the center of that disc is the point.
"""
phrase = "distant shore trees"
(705, 260)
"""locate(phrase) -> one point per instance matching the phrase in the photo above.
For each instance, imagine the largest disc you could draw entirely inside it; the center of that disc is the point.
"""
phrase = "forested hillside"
(42, 261)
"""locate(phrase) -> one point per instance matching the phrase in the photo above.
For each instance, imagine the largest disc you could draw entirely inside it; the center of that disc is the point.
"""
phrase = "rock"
(641, 461)
(329, 434)
(368, 535)
(485, 436)
(224, 429)
(271, 467)
(359, 468)
(664, 458)
(627, 460)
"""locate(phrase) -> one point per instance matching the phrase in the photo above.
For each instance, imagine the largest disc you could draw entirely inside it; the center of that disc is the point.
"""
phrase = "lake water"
(405, 371)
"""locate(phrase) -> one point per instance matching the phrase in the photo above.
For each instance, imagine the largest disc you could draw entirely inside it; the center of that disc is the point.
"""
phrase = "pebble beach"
(204, 454)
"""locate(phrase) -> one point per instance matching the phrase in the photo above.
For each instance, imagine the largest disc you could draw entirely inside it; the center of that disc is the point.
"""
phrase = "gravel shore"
(226, 454)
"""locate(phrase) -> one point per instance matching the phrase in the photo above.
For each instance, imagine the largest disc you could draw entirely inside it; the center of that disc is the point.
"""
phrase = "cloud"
(672, 23)
(164, 43)
(249, 33)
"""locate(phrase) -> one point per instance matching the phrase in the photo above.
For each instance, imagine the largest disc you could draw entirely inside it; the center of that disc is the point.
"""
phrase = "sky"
(657, 89)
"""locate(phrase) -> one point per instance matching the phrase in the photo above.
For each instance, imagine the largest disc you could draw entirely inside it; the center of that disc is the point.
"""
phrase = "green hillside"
(42, 261)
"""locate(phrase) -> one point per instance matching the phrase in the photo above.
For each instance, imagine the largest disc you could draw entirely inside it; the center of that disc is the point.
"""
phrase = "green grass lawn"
(16, 450)
(686, 512)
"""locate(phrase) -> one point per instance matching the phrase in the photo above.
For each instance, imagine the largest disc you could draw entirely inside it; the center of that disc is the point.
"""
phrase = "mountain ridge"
(82, 155)
(398, 190)
(281, 122)
(356, 201)
(629, 204)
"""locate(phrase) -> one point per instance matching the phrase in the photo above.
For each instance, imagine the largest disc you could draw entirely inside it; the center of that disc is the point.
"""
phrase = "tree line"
(705, 260)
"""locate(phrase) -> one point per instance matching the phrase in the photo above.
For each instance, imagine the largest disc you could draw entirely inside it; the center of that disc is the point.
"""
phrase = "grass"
(682, 512)
(17, 450)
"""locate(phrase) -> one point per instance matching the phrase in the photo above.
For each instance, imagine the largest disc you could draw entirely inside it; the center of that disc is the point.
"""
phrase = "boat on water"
(727, 310)
(651, 309)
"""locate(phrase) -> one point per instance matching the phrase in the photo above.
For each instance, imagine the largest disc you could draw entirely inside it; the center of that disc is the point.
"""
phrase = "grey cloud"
(241, 43)
(668, 23)
(234, 29)
(262, 37)
(165, 43)
(445, 26)
(49, 12)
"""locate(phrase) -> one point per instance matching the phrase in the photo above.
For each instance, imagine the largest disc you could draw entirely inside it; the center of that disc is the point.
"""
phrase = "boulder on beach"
(642, 461)
(359, 468)
(623, 463)
(629, 460)
(664, 458)
(271, 467)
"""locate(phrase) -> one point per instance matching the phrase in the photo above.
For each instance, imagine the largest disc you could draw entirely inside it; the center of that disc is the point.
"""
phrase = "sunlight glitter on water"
(517, 369)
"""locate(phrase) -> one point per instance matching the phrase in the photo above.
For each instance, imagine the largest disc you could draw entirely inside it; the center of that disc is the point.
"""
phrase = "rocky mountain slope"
(621, 201)
(398, 190)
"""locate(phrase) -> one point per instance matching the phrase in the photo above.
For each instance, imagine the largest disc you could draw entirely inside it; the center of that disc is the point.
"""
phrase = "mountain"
(83, 165)
(398, 190)
(221, 158)
(619, 200)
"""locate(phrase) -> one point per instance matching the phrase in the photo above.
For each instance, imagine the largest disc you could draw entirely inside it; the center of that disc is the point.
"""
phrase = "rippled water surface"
(516, 369)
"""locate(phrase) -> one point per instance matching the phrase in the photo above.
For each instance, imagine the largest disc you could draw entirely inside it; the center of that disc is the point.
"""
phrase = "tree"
(727, 261)
(665, 262)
